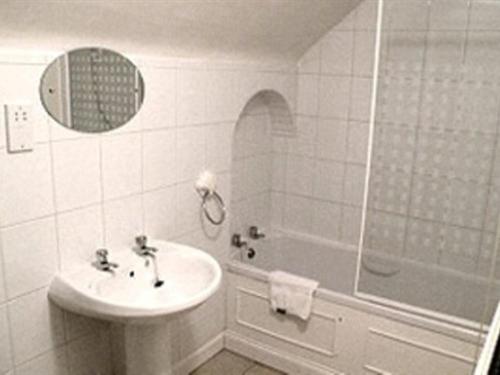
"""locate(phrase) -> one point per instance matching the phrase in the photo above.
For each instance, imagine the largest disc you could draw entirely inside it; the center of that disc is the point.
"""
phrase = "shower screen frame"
(470, 325)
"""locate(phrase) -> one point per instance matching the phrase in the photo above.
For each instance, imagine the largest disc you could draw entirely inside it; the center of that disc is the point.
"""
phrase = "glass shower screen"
(434, 176)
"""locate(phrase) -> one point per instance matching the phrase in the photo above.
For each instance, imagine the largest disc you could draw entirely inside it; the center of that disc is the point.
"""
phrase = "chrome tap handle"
(142, 248)
(237, 241)
(141, 241)
(102, 255)
(254, 233)
(101, 262)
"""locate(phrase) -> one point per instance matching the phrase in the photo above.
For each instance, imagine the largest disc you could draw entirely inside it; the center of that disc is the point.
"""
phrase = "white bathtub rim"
(377, 308)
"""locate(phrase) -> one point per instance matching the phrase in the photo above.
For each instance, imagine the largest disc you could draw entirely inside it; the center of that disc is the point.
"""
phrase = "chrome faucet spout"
(145, 251)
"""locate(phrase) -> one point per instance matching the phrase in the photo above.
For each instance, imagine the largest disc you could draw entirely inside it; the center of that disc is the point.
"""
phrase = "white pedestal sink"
(128, 296)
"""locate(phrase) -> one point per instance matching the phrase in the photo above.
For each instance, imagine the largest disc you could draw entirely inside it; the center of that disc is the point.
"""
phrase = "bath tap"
(254, 233)
(102, 263)
(237, 241)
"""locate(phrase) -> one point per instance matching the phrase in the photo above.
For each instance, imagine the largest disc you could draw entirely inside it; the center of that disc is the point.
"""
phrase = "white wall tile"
(354, 184)
(485, 15)
(159, 107)
(299, 175)
(20, 85)
(80, 234)
(53, 362)
(187, 211)
(298, 213)
(404, 47)
(361, 99)
(327, 219)
(37, 325)
(123, 222)
(449, 15)
(332, 139)
(159, 159)
(279, 172)
(191, 96)
(6, 361)
(277, 209)
(30, 255)
(310, 61)
(406, 15)
(350, 225)
(159, 213)
(121, 165)
(303, 141)
(366, 15)
(190, 152)
(347, 22)
(481, 51)
(307, 94)
(444, 49)
(3, 293)
(334, 97)
(221, 103)
(337, 52)
(357, 142)
(328, 180)
(219, 140)
(25, 185)
(77, 173)
(364, 53)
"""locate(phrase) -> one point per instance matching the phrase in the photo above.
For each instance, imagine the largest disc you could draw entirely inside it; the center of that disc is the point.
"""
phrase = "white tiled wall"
(325, 159)
(75, 193)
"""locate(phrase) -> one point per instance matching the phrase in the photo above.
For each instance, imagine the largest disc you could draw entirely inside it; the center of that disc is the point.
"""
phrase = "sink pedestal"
(142, 349)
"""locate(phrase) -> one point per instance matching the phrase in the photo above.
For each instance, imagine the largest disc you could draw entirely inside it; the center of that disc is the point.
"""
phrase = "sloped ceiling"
(240, 29)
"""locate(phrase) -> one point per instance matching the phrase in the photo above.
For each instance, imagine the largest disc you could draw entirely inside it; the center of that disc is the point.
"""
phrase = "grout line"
(143, 208)
(54, 197)
(4, 303)
(101, 190)
(340, 224)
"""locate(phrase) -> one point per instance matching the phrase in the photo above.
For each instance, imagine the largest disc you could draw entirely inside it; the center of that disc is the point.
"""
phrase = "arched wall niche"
(260, 140)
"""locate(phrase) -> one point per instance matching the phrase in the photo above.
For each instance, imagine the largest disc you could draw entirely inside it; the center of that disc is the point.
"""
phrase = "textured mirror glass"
(92, 90)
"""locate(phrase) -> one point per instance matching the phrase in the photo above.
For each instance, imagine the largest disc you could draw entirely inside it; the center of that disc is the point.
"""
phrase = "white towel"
(291, 294)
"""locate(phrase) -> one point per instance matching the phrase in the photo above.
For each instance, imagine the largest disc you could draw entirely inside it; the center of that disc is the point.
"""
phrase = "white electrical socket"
(19, 125)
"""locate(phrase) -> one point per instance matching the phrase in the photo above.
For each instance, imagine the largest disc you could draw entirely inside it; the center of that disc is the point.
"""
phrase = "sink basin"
(129, 295)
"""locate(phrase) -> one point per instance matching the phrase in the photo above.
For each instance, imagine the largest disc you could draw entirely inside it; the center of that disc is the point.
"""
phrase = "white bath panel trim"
(332, 321)
(384, 349)
(293, 365)
(200, 356)
(422, 346)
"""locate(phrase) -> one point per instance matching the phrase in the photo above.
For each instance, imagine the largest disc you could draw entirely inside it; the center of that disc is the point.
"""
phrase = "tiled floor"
(229, 363)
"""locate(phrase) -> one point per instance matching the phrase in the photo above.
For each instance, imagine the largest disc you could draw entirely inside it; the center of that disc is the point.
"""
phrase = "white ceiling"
(246, 29)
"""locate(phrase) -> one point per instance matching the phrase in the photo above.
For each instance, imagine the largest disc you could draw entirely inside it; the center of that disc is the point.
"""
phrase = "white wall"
(75, 193)
(321, 193)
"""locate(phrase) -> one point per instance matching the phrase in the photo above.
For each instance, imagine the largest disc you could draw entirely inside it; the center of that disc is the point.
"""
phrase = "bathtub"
(345, 334)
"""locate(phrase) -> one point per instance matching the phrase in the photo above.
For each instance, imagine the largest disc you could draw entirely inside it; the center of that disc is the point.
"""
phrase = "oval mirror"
(92, 90)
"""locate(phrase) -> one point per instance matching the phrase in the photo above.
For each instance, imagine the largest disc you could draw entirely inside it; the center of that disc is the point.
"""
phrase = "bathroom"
(268, 187)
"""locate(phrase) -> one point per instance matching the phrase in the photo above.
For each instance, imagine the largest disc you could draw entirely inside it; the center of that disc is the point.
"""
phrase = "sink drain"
(159, 283)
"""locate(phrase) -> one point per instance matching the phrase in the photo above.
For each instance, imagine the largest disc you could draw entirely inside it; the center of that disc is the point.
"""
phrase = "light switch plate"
(19, 126)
